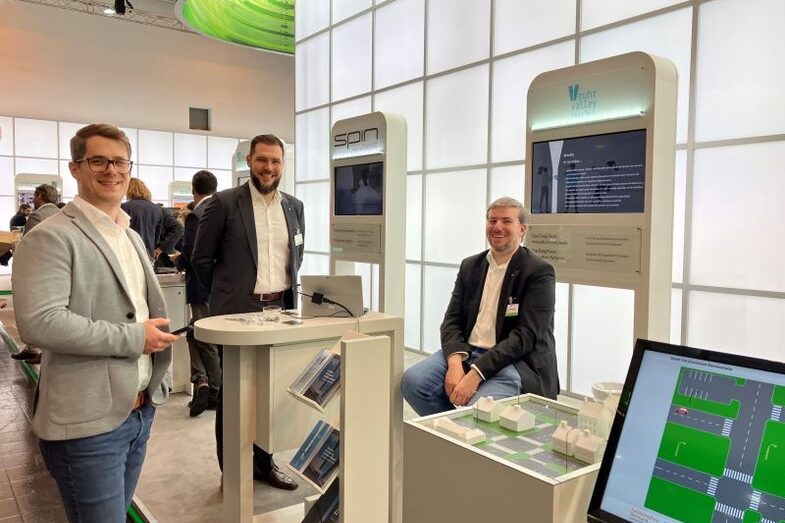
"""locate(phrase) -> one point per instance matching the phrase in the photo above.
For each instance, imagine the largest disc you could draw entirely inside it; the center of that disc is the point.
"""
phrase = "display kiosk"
(600, 149)
(368, 206)
(180, 194)
(25, 184)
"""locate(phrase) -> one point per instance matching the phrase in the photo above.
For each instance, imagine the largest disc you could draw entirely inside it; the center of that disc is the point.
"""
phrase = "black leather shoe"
(276, 478)
(28, 354)
(200, 401)
(212, 401)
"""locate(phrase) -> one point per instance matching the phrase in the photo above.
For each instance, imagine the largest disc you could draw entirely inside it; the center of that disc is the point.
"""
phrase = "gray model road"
(733, 492)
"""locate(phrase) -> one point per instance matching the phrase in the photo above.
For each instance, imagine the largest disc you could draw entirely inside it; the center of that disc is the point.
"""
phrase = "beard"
(264, 189)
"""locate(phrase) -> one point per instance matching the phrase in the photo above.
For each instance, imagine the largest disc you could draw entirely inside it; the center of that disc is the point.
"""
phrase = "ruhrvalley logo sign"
(582, 102)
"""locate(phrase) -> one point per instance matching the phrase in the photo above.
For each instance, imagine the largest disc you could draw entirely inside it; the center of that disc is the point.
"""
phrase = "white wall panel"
(312, 155)
(36, 138)
(739, 71)
(6, 135)
(6, 180)
(414, 217)
(439, 281)
(343, 9)
(679, 195)
(315, 264)
(561, 331)
(70, 189)
(157, 180)
(595, 13)
(156, 148)
(133, 135)
(399, 36)
(65, 132)
(312, 16)
(221, 150)
(351, 58)
(315, 198)
(190, 150)
(523, 23)
(456, 124)
(458, 33)
(348, 109)
(411, 336)
(454, 224)
(312, 66)
(738, 234)
(224, 178)
(406, 101)
(36, 166)
(507, 181)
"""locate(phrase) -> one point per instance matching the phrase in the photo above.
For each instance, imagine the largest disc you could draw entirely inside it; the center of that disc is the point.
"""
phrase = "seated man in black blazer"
(497, 333)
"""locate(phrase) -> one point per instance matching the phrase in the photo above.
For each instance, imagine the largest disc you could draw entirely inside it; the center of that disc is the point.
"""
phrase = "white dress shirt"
(272, 243)
(483, 334)
(130, 264)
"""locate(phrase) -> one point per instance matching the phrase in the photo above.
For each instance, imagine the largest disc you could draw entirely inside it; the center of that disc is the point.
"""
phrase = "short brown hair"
(79, 141)
(137, 190)
(48, 193)
(267, 139)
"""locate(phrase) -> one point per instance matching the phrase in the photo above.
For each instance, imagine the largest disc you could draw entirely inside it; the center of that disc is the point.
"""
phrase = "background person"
(146, 217)
(497, 334)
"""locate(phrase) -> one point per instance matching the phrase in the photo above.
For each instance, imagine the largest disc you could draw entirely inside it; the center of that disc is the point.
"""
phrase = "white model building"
(486, 409)
(517, 419)
(564, 438)
(588, 447)
(598, 416)
(459, 432)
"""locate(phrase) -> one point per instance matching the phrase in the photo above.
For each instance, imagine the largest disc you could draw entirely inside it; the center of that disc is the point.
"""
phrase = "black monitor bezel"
(595, 513)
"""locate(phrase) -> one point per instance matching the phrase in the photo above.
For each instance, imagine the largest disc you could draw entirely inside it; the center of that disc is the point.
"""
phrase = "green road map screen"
(702, 442)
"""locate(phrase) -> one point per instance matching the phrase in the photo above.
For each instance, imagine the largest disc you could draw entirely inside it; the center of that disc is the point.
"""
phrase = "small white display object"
(589, 448)
(597, 417)
(459, 432)
(564, 439)
(517, 419)
(486, 409)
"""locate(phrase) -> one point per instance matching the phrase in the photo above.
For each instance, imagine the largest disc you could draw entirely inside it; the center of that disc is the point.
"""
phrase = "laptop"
(345, 293)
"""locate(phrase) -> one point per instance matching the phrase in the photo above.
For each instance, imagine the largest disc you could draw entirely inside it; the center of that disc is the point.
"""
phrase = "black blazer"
(146, 219)
(224, 255)
(525, 340)
(195, 292)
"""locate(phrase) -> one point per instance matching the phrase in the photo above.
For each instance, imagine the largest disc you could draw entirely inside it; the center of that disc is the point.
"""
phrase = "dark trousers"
(262, 460)
(205, 362)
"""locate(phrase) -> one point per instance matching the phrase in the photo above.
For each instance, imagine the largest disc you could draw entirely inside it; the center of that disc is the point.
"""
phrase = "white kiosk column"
(368, 205)
(600, 144)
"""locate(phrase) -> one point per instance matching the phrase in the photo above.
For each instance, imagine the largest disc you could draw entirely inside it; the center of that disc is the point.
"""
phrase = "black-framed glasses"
(99, 164)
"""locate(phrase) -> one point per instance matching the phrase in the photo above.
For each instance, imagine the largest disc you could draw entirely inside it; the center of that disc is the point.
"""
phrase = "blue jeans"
(423, 385)
(97, 475)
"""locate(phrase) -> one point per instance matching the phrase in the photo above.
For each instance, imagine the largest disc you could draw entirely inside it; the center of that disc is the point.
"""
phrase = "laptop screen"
(699, 436)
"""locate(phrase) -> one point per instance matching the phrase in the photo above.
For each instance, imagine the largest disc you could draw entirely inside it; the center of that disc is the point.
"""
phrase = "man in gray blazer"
(248, 250)
(497, 334)
(87, 295)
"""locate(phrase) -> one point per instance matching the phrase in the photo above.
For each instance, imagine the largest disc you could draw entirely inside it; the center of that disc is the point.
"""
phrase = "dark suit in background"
(146, 220)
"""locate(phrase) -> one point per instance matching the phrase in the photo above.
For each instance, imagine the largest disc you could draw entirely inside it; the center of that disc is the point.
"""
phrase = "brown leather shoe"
(275, 478)
(28, 354)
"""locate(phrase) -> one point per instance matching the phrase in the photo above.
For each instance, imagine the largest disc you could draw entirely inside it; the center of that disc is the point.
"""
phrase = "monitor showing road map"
(699, 436)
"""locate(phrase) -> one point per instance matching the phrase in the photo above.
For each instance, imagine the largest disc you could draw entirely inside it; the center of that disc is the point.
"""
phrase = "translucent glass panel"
(458, 33)
(220, 152)
(511, 80)
(312, 16)
(190, 150)
(406, 101)
(738, 234)
(454, 215)
(66, 131)
(6, 135)
(312, 154)
(224, 178)
(184, 174)
(595, 13)
(507, 181)
(414, 217)
(439, 281)
(70, 189)
(351, 58)
(351, 108)
(316, 199)
(157, 180)
(398, 42)
(602, 339)
(315, 264)
(523, 23)
(411, 317)
(561, 331)
(746, 325)
(680, 186)
(6, 178)
(312, 70)
(457, 137)
(155, 148)
(675, 317)
(737, 74)
(346, 8)
(36, 166)
(8, 207)
(667, 35)
(132, 135)
(36, 138)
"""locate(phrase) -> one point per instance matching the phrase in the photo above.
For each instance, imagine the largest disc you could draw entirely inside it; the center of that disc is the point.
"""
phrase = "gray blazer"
(47, 210)
(71, 299)
(225, 255)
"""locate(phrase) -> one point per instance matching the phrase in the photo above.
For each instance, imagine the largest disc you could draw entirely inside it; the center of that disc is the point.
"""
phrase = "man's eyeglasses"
(99, 164)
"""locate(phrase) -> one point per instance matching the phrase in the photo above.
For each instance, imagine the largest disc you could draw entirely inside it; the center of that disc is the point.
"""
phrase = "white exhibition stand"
(261, 361)
(173, 287)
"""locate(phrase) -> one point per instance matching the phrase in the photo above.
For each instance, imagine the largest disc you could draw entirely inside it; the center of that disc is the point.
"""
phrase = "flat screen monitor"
(699, 436)
(603, 173)
(359, 189)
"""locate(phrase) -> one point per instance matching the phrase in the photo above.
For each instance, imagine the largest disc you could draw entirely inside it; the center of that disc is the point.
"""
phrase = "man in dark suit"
(248, 250)
(205, 364)
(497, 333)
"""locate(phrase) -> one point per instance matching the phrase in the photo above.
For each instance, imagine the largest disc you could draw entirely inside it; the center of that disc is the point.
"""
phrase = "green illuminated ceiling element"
(263, 24)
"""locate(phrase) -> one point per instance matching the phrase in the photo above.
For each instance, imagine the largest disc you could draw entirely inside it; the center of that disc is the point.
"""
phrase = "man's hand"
(156, 253)
(454, 373)
(464, 391)
(156, 340)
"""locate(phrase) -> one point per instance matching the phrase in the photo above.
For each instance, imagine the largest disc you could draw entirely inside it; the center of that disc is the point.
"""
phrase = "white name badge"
(512, 310)
(298, 239)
